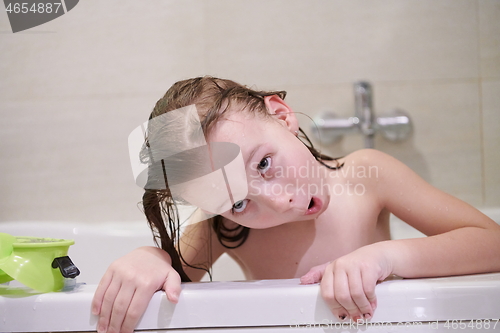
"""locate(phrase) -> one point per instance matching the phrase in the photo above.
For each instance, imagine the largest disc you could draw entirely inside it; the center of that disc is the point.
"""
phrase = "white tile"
(491, 137)
(489, 24)
(101, 48)
(63, 160)
(324, 42)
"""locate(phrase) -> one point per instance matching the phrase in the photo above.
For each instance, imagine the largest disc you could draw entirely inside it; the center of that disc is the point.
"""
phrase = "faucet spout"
(363, 109)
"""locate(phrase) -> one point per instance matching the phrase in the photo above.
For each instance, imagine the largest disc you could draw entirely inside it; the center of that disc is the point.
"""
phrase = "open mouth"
(311, 203)
(314, 206)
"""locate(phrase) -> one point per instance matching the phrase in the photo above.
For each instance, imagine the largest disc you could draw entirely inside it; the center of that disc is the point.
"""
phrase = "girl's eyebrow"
(252, 153)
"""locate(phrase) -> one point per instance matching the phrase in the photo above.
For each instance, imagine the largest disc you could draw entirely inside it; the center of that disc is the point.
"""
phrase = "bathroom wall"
(71, 90)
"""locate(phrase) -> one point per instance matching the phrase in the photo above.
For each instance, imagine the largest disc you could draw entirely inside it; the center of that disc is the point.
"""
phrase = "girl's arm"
(461, 240)
(129, 283)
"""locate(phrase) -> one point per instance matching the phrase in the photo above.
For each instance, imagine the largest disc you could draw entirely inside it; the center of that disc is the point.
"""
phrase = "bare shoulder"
(370, 166)
(369, 157)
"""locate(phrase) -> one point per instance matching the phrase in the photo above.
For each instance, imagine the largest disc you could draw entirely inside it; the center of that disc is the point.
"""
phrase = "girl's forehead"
(237, 125)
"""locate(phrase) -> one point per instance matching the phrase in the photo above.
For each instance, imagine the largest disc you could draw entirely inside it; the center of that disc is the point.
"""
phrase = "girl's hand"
(128, 285)
(348, 283)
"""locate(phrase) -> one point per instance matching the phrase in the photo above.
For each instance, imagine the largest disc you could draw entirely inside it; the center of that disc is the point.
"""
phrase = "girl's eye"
(264, 165)
(240, 206)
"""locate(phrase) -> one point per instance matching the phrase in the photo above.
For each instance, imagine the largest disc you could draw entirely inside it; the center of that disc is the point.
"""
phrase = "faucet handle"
(395, 126)
(326, 121)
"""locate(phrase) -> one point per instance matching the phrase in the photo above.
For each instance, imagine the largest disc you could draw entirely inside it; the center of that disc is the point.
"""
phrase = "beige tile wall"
(71, 90)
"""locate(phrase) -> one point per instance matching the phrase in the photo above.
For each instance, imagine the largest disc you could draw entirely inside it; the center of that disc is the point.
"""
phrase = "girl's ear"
(276, 106)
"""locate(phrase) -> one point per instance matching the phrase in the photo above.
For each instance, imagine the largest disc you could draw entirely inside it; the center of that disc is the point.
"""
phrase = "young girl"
(305, 215)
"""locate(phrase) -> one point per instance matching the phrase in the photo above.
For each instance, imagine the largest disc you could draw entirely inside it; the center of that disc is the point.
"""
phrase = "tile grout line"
(480, 105)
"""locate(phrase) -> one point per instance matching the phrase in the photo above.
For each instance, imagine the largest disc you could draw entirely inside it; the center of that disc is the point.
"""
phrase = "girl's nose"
(280, 203)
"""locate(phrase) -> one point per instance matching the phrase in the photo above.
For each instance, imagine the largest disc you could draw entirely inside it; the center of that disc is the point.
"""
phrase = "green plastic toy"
(38, 263)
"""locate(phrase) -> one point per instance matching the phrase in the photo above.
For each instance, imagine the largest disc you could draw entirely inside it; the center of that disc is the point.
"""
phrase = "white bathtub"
(465, 304)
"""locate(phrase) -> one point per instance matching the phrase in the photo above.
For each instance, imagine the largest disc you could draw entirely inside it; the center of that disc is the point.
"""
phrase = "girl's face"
(285, 182)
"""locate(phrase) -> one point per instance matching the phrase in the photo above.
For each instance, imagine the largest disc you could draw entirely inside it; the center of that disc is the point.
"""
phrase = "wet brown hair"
(213, 97)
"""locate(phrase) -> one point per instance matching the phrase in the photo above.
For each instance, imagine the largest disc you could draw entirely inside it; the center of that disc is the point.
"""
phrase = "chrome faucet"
(363, 110)
(395, 126)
